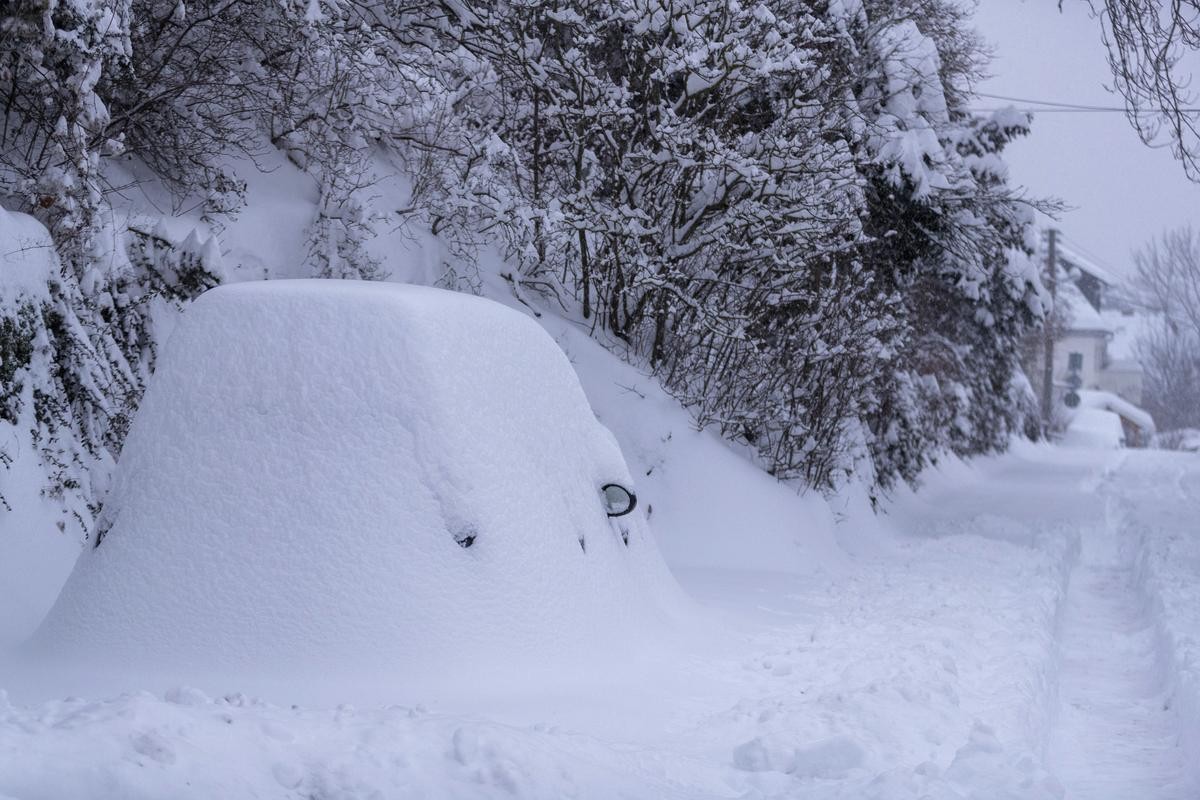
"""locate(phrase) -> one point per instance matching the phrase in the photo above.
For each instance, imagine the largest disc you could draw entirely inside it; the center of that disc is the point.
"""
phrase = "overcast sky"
(1124, 193)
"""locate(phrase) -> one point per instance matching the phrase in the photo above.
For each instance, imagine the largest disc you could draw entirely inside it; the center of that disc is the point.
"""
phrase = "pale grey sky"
(1124, 193)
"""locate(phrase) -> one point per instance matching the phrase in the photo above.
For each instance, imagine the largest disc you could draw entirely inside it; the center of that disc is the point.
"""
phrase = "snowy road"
(1026, 629)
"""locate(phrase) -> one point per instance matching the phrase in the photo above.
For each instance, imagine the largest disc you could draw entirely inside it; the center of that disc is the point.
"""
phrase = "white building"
(1095, 350)
(1098, 341)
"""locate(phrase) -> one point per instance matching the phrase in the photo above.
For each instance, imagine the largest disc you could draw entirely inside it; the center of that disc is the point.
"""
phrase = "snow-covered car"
(1094, 427)
(1186, 440)
(343, 473)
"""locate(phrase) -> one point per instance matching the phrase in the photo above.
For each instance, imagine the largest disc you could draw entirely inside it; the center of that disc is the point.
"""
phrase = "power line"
(1069, 249)
(1088, 107)
(1073, 244)
(1049, 110)
(1055, 107)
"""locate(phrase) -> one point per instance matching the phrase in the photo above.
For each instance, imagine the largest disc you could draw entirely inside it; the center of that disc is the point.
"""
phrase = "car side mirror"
(618, 501)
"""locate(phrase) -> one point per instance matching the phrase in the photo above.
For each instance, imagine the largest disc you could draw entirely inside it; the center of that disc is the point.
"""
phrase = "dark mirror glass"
(618, 501)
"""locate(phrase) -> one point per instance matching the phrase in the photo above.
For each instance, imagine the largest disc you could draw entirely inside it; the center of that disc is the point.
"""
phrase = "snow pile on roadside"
(346, 477)
(921, 666)
(146, 746)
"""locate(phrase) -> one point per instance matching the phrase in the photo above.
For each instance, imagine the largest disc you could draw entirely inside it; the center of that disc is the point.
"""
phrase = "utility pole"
(1048, 332)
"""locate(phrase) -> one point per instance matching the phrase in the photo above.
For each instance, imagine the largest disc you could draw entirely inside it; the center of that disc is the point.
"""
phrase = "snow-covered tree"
(734, 189)
(1166, 286)
(947, 236)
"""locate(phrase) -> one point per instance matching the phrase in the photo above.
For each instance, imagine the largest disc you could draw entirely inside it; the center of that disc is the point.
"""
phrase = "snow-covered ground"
(1024, 627)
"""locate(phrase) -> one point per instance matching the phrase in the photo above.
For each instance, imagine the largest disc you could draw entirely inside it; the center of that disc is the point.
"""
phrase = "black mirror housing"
(618, 501)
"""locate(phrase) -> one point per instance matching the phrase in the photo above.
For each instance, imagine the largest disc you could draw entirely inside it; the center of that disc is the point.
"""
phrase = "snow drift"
(37, 541)
(305, 469)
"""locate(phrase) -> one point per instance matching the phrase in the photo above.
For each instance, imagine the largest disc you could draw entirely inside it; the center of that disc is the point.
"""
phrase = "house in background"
(1095, 350)
(1100, 335)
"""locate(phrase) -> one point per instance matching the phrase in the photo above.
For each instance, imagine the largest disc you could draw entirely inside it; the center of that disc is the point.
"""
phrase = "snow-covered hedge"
(787, 210)
(74, 356)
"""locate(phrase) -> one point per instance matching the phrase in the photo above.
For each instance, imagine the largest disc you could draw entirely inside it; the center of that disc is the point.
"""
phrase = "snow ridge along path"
(1117, 737)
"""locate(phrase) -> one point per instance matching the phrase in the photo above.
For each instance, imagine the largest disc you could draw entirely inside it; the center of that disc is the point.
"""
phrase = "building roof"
(1073, 258)
(1082, 316)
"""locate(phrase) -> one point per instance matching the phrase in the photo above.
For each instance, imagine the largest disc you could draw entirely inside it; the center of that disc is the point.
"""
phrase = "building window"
(1075, 361)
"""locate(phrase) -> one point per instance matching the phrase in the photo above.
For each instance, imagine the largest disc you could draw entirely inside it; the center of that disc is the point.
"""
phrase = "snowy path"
(1116, 736)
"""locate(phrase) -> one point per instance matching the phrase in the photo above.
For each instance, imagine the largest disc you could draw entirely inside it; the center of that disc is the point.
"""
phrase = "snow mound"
(712, 508)
(351, 476)
(35, 553)
(27, 256)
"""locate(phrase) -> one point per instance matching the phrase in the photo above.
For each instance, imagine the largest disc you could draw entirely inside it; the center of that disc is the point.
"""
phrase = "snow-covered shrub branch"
(76, 334)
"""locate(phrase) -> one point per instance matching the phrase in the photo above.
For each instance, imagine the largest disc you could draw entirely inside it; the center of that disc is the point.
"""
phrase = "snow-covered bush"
(56, 122)
(77, 334)
(74, 358)
(948, 237)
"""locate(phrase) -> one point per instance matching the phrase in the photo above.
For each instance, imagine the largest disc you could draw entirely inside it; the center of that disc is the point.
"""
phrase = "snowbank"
(35, 552)
(303, 476)
(922, 666)
(27, 256)
(922, 672)
(711, 506)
